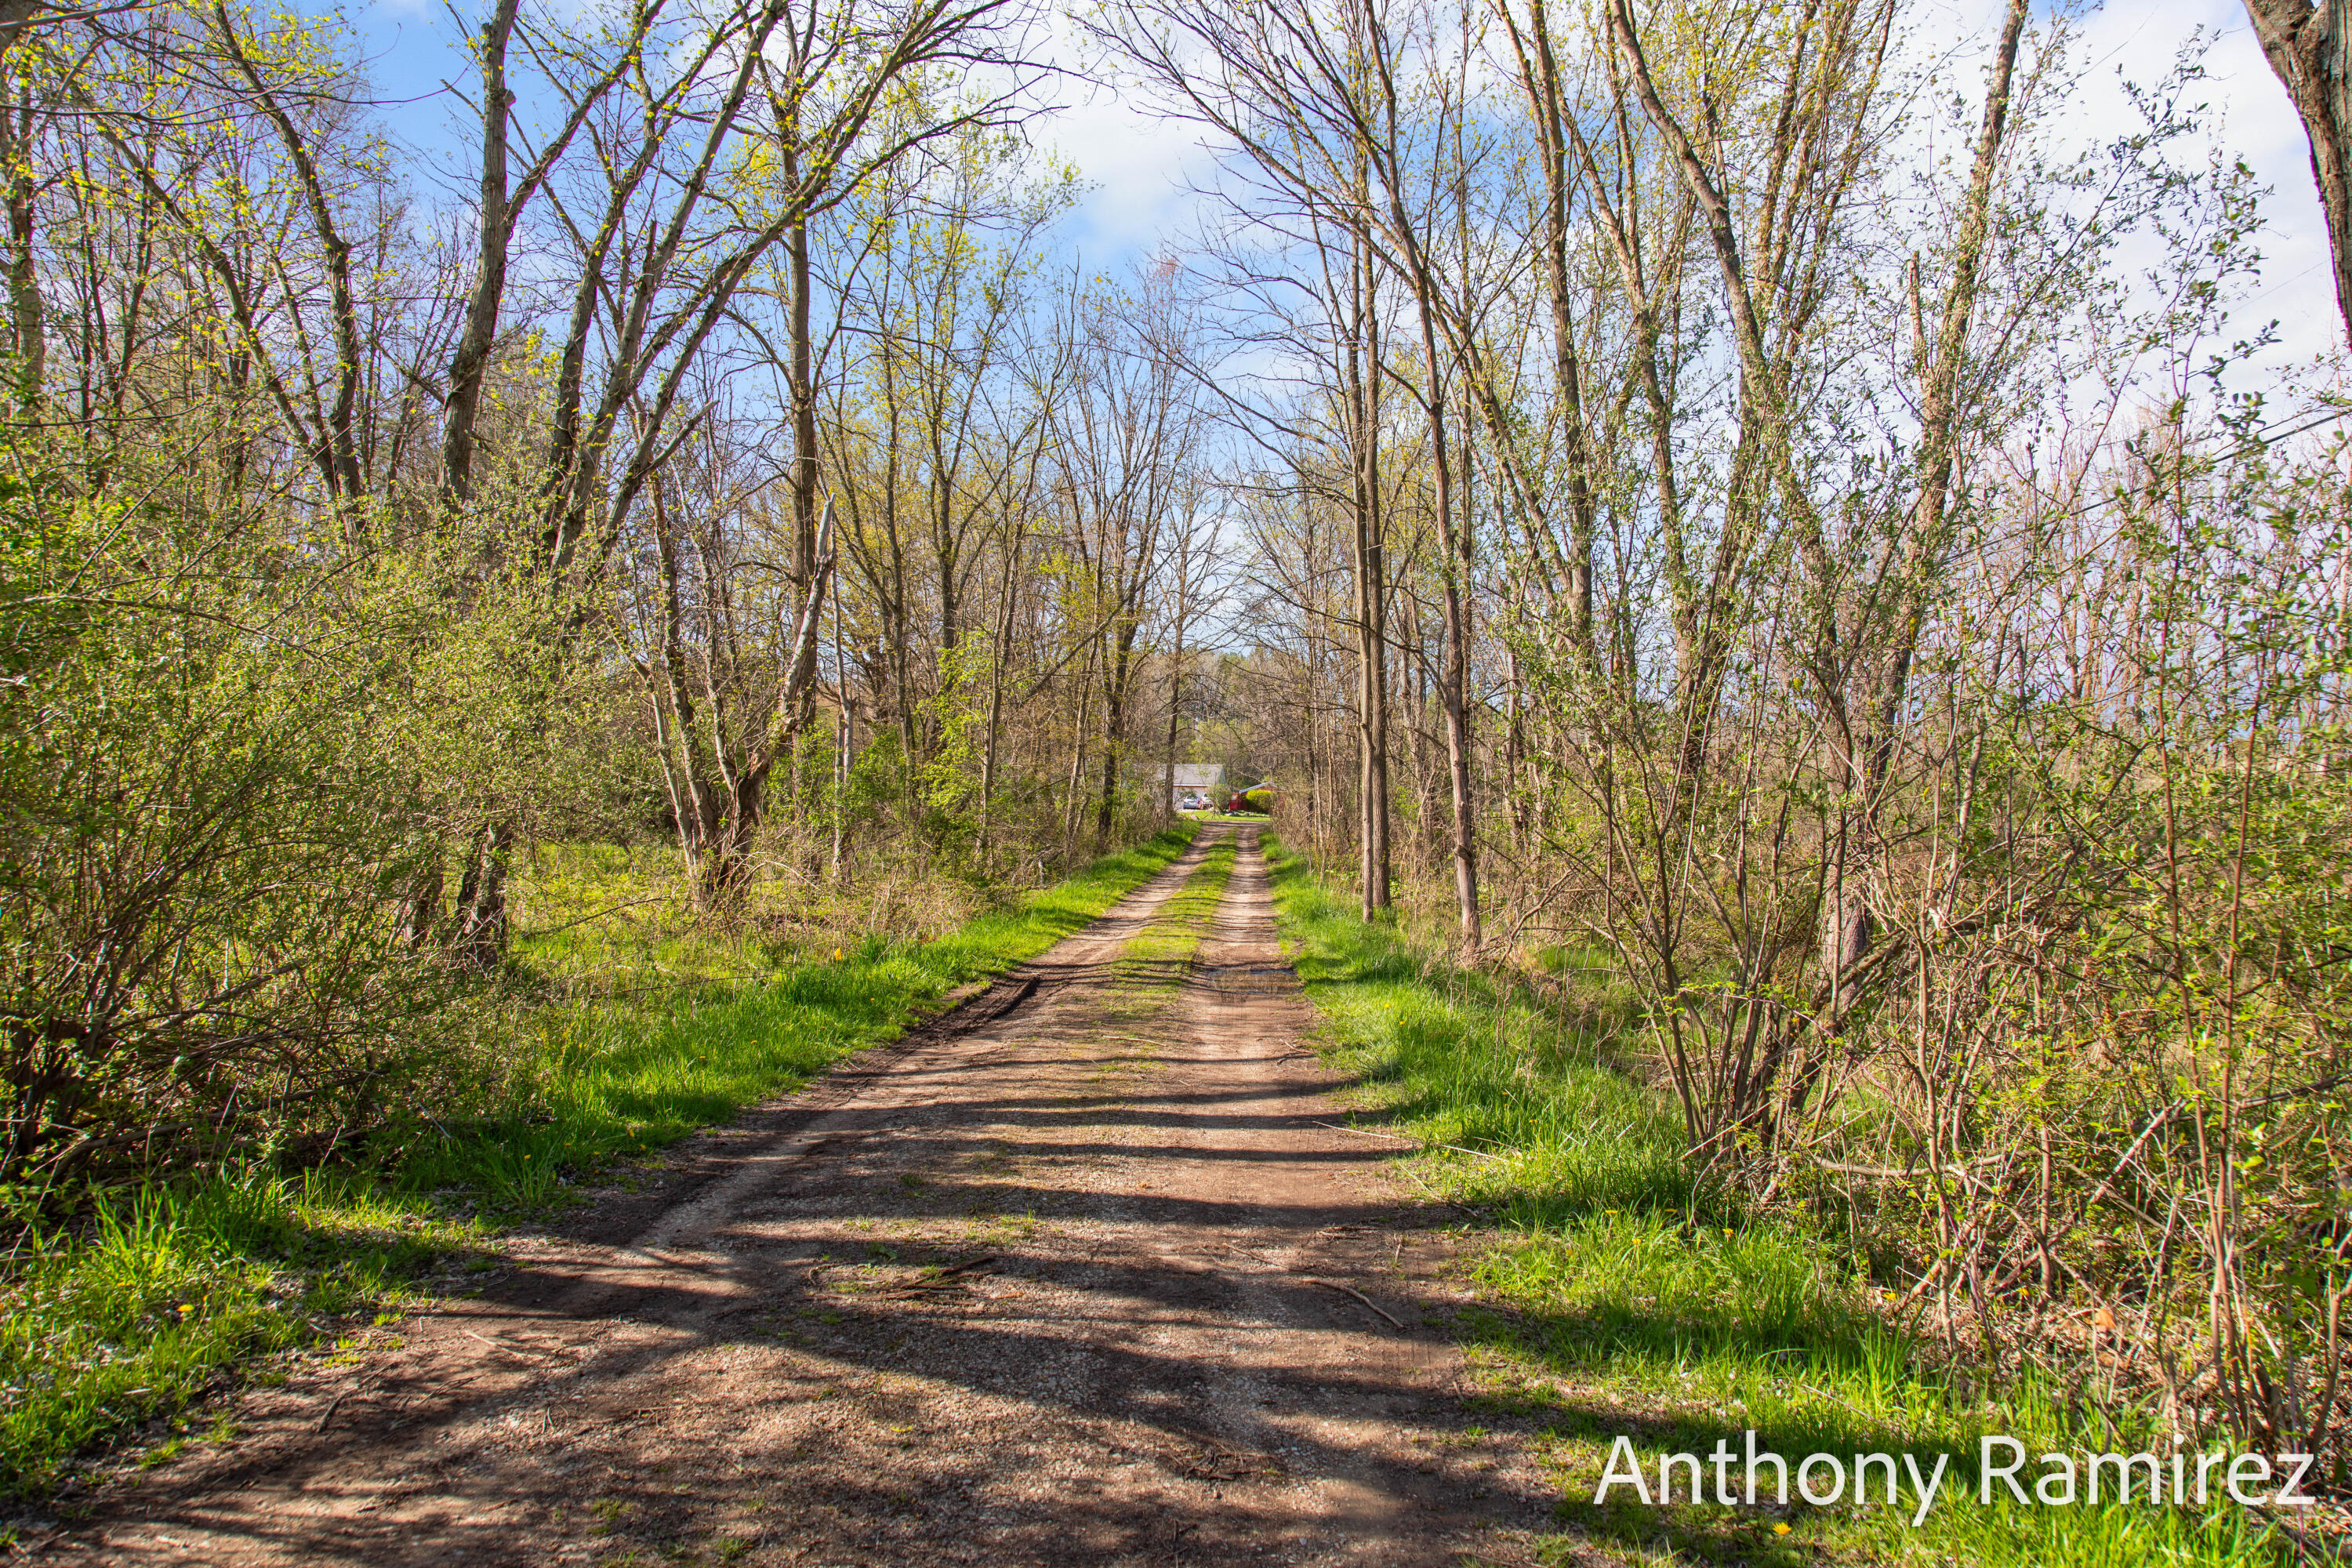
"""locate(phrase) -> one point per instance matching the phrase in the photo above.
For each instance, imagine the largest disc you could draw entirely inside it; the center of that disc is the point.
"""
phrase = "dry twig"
(1358, 1295)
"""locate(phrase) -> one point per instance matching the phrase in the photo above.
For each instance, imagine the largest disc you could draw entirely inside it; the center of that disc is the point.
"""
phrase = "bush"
(232, 753)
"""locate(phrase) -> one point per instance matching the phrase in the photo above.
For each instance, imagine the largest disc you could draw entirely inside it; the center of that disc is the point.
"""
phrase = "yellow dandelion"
(1780, 1529)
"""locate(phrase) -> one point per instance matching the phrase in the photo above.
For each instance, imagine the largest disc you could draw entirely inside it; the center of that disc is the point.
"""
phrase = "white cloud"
(1141, 169)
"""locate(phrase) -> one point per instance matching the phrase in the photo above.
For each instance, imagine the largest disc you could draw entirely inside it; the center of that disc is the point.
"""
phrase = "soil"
(1077, 1274)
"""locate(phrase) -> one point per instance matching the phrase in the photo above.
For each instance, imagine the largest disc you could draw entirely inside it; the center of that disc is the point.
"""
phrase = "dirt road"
(1083, 1282)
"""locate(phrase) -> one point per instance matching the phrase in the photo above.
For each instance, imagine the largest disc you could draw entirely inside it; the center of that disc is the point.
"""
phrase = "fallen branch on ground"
(1358, 1295)
(1368, 1132)
(947, 1276)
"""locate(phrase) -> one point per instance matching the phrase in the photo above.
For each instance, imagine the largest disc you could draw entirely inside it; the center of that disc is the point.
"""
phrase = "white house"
(1196, 786)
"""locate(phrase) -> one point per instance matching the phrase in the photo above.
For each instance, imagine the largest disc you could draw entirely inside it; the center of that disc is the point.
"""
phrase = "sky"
(1142, 172)
(2255, 121)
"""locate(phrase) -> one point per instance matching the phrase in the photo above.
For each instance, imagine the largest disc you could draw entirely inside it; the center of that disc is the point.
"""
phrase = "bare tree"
(665, 233)
(1128, 438)
(1318, 105)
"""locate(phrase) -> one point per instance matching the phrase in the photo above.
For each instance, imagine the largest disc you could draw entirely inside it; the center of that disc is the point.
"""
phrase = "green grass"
(604, 918)
(622, 1077)
(136, 1317)
(1166, 945)
(1154, 961)
(1554, 1131)
(144, 1307)
(1622, 1299)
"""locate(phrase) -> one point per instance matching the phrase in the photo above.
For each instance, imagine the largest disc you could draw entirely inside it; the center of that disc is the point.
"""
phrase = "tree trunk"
(1070, 796)
(843, 741)
(1852, 932)
(1115, 697)
(804, 461)
(420, 910)
(1175, 710)
(993, 739)
(1363, 370)
(2310, 48)
(1454, 685)
(480, 941)
(1566, 374)
(694, 807)
(472, 358)
(23, 284)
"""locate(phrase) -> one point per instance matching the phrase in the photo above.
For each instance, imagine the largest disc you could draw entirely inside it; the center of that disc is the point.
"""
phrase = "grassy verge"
(1166, 946)
(623, 1077)
(1628, 1303)
(1153, 962)
(121, 1326)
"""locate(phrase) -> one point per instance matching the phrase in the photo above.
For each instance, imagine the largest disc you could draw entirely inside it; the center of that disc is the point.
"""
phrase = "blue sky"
(1138, 167)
